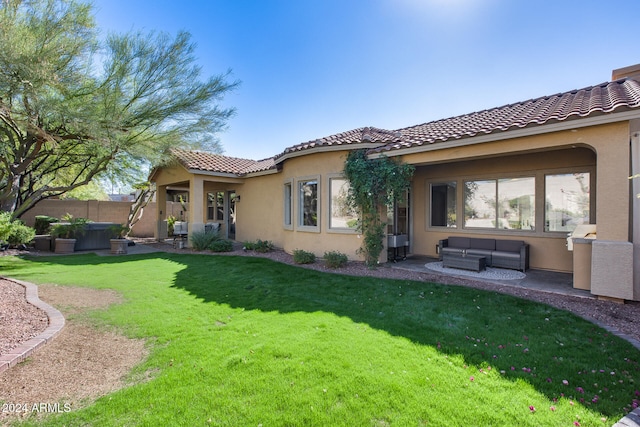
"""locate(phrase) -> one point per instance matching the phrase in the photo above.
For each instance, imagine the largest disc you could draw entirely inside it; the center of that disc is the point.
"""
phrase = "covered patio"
(535, 280)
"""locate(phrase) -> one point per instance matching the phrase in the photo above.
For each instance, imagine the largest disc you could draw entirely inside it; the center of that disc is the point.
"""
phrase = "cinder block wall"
(102, 211)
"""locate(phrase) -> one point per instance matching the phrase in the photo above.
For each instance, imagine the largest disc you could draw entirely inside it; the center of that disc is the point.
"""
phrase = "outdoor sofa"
(513, 254)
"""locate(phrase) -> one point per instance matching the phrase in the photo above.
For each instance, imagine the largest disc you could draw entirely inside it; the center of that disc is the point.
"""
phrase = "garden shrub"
(303, 257)
(259, 246)
(264, 246)
(5, 226)
(221, 245)
(70, 228)
(201, 240)
(14, 232)
(43, 223)
(20, 234)
(171, 220)
(335, 259)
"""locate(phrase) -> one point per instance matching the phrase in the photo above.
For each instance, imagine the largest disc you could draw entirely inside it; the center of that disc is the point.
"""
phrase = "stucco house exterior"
(530, 171)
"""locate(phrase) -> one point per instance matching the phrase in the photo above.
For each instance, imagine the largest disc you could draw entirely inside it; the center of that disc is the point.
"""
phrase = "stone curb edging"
(24, 350)
(631, 420)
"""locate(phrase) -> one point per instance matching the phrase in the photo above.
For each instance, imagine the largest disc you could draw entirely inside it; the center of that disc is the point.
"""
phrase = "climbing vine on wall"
(373, 184)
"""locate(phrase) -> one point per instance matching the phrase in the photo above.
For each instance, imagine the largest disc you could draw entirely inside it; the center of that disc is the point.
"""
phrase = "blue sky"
(312, 68)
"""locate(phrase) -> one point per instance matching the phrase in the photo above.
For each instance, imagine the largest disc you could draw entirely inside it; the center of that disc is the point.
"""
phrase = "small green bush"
(335, 259)
(201, 240)
(221, 245)
(20, 234)
(259, 246)
(43, 223)
(303, 257)
(264, 246)
(171, 220)
(14, 232)
(5, 226)
(70, 228)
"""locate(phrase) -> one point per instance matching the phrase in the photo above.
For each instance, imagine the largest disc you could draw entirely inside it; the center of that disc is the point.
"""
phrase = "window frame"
(443, 182)
(288, 204)
(465, 186)
(540, 214)
(220, 206)
(214, 206)
(497, 208)
(300, 204)
(591, 174)
(331, 227)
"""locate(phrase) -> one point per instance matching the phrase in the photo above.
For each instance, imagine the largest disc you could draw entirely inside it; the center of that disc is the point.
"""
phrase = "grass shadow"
(524, 340)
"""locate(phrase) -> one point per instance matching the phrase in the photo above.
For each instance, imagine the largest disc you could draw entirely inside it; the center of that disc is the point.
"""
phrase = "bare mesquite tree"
(74, 107)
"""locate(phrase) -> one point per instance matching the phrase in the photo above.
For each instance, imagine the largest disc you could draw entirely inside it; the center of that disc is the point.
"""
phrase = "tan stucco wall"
(601, 150)
(613, 187)
(171, 176)
(261, 210)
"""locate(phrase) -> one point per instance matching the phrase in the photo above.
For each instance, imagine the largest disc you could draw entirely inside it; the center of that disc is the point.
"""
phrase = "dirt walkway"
(81, 364)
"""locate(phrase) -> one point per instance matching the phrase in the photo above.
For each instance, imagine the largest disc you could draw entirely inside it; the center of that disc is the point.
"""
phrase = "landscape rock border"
(27, 348)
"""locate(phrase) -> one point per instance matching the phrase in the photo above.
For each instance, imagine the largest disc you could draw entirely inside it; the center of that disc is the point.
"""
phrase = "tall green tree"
(74, 106)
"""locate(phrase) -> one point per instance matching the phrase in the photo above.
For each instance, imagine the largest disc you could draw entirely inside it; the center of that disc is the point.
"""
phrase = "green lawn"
(240, 341)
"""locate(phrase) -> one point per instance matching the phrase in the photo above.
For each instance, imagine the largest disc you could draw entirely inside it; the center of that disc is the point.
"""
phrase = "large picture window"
(443, 204)
(341, 215)
(517, 202)
(308, 203)
(506, 204)
(567, 201)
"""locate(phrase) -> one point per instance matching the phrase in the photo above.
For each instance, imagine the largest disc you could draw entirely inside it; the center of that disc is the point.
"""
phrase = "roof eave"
(328, 148)
(261, 173)
(514, 133)
(214, 173)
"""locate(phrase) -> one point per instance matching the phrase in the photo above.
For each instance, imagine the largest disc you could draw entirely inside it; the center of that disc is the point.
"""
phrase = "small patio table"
(464, 262)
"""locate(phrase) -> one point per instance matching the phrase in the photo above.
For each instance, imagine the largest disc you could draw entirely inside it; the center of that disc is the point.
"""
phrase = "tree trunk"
(137, 208)
(9, 200)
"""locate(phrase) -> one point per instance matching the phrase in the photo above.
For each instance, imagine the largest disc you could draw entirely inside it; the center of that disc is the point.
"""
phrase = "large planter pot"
(42, 242)
(65, 246)
(119, 246)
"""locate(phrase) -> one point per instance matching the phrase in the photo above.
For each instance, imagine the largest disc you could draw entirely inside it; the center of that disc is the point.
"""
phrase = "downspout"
(635, 211)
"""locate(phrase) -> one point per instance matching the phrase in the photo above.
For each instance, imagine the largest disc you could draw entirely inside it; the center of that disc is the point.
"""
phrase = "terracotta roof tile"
(209, 162)
(362, 135)
(595, 100)
(605, 98)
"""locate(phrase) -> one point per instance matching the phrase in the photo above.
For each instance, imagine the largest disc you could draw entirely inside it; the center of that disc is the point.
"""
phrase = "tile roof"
(609, 97)
(209, 162)
(362, 135)
(605, 98)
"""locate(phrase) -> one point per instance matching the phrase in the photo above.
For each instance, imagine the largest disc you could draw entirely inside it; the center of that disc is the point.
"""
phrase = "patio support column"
(161, 212)
(384, 255)
(635, 212)
(196, 205)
